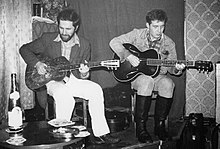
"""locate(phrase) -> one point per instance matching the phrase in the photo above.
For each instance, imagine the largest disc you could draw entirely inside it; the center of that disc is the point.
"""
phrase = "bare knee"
(144, 85)
(166, 87)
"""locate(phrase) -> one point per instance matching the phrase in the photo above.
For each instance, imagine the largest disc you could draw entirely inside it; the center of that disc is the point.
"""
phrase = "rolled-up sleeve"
(116, 43)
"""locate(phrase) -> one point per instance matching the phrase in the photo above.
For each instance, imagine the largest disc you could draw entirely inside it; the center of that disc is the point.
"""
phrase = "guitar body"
(150, 62)
(34, 80)
(126, 72)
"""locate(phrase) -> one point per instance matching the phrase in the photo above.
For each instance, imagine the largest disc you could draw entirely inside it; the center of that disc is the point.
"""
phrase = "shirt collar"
(146, 35)
(73, 41)
(149, 39)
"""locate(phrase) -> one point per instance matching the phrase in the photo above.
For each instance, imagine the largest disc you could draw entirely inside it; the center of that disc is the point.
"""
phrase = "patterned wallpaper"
(202, 42)
(39, 26)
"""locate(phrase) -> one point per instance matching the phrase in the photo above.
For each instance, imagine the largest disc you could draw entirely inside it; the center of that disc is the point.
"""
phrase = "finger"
(41, 72)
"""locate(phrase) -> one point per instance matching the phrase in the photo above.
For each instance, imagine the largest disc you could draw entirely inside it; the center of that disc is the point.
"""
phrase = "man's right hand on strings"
(41, 68)
(134, 60)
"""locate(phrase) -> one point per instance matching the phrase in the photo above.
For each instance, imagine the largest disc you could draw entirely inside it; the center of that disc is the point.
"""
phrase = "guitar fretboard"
(106, 63)
(90, 65)
(65, 68)
(168, 63)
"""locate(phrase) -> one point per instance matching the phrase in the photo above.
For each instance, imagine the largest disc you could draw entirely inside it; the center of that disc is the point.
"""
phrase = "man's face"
(66, 30)
(156, 29)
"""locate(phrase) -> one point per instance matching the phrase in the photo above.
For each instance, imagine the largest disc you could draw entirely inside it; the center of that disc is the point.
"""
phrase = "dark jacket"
(46, 46)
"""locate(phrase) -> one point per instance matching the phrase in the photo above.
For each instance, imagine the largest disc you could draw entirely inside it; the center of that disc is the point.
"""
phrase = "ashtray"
(64, 132)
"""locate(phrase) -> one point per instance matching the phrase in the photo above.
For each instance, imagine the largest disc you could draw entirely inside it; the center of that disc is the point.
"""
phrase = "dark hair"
(69, 15)
(156, 14)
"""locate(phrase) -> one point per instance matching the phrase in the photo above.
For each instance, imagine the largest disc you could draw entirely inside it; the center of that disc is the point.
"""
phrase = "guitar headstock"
(112, 64)
(205, 66)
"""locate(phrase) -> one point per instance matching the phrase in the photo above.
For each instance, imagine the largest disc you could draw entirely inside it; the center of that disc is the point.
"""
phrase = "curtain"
(101, 20)
(15, 28)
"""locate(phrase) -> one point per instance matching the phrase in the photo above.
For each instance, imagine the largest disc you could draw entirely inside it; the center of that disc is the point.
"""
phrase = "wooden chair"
(84, 116)
(82, 101)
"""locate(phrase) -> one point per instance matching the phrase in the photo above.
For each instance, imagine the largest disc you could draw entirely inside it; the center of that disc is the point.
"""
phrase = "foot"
(162, 134)
(144, 137)
(160, 131)
(106, 139)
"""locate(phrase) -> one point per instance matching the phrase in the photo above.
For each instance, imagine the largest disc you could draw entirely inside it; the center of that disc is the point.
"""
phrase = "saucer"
(82, 134)
(64, 132)
(16, 140)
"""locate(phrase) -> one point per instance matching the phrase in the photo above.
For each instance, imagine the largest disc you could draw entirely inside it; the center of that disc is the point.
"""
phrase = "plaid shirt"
(156, 44)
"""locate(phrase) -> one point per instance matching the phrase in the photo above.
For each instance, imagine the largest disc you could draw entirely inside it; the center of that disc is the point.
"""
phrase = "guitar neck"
(77, 66)
(169, 63)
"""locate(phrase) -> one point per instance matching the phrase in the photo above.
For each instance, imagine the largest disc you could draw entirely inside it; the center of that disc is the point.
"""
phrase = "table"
(37, 136)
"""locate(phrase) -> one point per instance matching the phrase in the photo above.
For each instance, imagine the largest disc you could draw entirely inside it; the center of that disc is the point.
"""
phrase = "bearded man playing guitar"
(151, 37)
(75, 49)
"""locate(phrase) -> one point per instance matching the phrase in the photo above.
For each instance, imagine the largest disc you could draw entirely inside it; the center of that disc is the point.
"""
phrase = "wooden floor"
(129, 141)
(127, 136)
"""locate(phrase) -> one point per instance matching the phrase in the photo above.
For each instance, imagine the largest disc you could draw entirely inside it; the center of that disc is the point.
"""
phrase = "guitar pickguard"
(126, 72)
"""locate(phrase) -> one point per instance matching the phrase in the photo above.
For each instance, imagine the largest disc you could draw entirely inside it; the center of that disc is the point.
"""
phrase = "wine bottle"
(14, 106)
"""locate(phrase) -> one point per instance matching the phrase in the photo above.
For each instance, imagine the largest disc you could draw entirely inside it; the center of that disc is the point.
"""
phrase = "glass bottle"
(14, 106)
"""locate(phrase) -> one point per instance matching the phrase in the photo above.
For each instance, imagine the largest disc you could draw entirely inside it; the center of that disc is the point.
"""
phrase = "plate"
(60, 122)
(64, 132)
(82, 134)
(80, 127)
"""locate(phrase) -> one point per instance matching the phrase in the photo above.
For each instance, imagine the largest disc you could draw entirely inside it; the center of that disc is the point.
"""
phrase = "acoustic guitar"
(150, 63)
(57, 69)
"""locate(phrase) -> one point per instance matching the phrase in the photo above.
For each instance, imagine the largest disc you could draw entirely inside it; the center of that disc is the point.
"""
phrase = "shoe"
(144, 137)
(141, 116)
(106, 139)
(161, 132)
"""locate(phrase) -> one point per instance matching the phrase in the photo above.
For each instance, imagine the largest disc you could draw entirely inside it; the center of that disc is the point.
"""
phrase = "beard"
(66, 38)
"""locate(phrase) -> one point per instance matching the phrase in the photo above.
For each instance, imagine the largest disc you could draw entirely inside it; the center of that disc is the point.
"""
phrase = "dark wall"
(104, 19)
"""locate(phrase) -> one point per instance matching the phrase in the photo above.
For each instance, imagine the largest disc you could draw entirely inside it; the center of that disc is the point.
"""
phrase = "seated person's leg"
(92, 92)
(165, 87)
(144, 85)
(41, 96)
(64, 100)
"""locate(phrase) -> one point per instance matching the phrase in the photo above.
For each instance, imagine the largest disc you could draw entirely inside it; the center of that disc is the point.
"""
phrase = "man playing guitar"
(76, 49)
(151, 37)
